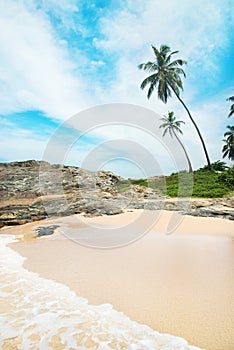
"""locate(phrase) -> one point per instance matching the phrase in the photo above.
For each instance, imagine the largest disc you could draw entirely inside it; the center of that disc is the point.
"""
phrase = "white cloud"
(36, 72)
(198, 29)
(186, 24)
(20, 144)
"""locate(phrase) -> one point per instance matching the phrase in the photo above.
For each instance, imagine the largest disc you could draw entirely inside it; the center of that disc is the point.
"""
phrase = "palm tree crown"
(228, 148)
(172, 126)
(166, 73)
(165, 76)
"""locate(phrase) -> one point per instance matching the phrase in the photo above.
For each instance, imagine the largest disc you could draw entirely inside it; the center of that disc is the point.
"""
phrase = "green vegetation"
(232, 106)
(227, 178)
(228, 148)
(124, 185)
(140, 182)
(207, 183)
(217, 166)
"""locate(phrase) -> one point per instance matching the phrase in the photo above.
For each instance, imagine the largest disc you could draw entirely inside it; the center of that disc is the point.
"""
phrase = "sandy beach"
(180, 283)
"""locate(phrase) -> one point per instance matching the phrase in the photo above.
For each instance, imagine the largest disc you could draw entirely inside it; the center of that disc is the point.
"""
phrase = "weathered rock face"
(221, 208)
(33, 190)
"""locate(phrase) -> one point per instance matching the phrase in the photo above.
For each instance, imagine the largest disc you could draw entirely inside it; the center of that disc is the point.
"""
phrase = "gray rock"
(46, 230)
(33, 190)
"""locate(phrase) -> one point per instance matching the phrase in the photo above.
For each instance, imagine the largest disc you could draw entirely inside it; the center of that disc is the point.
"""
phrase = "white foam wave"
(41, 314)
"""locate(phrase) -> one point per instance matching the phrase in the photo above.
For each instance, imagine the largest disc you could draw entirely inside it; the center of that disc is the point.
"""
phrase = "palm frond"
(225, 152)
(230, 132)
(231, 111)
(178, 123)
(177, 71)
(181, 62)
(157, 54)
(145, 66)
(165, 132)
(152, 79)
(150, 91)
(228, 148)
(164, 49)
(231, 98)
(164, 125)
(174, 52)
(163, 90)
(177, 129)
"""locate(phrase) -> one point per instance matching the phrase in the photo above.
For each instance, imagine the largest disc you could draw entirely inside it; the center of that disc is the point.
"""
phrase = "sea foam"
(37, 313)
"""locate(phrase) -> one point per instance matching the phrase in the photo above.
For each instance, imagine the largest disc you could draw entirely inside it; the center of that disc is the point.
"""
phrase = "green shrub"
(217, 166)
(203, 183)
(206, 184)
(227, 178)
(141, 182)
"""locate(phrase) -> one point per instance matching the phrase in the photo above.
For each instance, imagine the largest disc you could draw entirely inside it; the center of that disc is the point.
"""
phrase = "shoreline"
(175, 283)
(222, 208)
(183, 222)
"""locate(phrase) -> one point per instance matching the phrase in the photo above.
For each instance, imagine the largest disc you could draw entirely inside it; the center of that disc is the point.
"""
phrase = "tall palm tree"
(232, 106)
(171, 125)
(228, 148)
(165, 77)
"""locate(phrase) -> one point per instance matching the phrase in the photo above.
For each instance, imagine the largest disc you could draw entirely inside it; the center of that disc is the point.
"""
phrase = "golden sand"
(180, 283)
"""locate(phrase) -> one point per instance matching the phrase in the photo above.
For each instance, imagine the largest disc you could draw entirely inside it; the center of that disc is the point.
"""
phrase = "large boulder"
(33, 190)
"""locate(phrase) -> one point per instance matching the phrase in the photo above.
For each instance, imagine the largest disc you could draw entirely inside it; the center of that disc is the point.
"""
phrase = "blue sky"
(58, 58)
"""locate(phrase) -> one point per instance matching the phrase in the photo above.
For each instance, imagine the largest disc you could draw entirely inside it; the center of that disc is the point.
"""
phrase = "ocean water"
(36, 313)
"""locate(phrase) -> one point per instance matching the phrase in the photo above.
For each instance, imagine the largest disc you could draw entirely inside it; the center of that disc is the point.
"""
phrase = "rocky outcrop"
(33, 190)
(220, 208)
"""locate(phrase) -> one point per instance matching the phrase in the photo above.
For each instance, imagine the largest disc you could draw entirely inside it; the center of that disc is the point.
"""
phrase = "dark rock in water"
(46, 231)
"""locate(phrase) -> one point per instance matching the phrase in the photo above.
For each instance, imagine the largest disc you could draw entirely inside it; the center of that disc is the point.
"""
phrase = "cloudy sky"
(61, 57)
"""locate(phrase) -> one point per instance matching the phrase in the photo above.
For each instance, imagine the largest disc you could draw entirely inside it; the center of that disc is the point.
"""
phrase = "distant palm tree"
(228, 148)
(165, 77)
(232, 106)
(171, 125)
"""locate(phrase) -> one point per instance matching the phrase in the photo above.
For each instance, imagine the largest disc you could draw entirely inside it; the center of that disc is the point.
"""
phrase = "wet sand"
(181, 284)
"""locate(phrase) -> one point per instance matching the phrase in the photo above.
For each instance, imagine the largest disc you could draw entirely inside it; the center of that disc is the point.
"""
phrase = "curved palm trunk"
(196, 127)
(185, 152)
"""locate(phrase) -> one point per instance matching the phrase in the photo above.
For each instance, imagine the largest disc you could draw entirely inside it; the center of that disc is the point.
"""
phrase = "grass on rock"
(203, 183)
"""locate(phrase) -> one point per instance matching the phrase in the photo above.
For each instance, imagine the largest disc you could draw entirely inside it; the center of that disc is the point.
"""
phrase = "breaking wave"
(37, 313)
